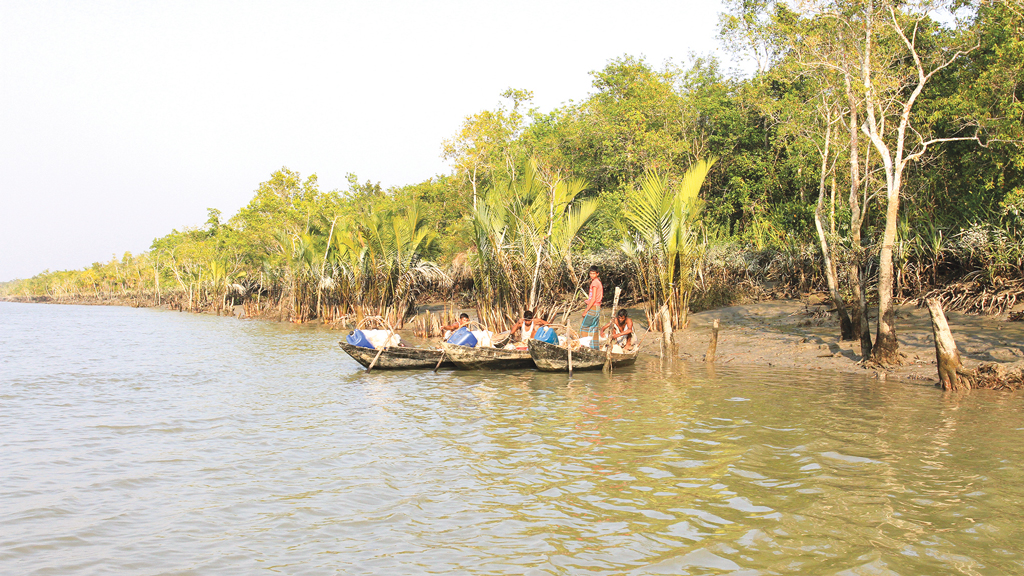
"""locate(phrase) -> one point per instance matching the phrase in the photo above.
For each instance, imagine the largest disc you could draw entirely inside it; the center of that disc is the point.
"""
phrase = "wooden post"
(952, 376)
(666, 329)
(611, 332)
(666, 323)
(709, 356)
(568, 347)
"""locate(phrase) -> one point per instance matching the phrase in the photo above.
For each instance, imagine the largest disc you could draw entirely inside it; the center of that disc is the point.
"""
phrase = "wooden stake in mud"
(611, 333)
(709, 356)
(568, 346)
(952, 376)
(666, 323)
(666, 329)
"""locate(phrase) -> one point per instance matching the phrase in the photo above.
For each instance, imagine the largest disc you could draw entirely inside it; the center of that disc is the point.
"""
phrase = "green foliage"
(524, 236)
(532, 192)
(664, 238)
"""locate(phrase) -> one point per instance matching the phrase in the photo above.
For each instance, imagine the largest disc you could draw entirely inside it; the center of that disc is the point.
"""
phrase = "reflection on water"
(152, 442)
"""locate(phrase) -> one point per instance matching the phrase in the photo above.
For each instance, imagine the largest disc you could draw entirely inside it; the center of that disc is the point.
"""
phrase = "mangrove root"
(995, 376)
(973, 296)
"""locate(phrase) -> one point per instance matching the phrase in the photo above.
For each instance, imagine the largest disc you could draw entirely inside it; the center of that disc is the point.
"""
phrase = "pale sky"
(120, 121)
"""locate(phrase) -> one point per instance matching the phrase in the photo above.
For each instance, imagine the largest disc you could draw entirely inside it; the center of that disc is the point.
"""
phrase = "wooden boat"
(487, 358)
(551, 358)
(396, 358)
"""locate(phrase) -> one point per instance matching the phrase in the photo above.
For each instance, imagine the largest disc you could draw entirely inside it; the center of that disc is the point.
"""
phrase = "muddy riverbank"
(801, 334)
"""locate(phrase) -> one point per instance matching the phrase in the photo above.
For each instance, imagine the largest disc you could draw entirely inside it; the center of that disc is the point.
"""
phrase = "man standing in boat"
(592, 314)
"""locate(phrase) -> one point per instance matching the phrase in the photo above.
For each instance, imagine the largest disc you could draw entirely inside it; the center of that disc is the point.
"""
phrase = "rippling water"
(154, 442)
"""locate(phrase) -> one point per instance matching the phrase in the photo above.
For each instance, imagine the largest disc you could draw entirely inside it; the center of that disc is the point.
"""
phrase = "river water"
(140, 441)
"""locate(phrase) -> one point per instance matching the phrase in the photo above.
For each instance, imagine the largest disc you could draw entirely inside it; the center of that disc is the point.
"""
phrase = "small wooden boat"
(486, 358)
(552, 358)
(396, 358)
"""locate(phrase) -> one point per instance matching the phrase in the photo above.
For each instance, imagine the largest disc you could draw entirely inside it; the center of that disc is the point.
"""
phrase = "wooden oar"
(611, 333)
(391, 332)
(443, 352)
(374, 363)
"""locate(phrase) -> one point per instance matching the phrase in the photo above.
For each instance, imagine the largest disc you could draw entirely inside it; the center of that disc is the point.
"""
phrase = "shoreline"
(802, 334)
(791, 334)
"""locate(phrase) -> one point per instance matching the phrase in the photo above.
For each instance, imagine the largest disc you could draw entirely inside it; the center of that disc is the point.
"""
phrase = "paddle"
(441, 359)
(391, 332)
(375, 358)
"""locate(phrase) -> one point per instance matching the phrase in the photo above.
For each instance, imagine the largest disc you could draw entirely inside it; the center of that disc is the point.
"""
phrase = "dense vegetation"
(875, 153)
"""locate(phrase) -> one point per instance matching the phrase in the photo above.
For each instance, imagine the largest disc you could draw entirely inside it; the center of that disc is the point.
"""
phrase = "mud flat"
(802, 334)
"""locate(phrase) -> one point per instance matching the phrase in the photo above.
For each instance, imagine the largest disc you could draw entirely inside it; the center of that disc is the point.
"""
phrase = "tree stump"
(709, 356)
(952, 376)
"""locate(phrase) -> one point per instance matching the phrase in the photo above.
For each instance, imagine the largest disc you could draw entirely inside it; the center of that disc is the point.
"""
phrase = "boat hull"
(487, 358)
(551, 358)
(398, 358)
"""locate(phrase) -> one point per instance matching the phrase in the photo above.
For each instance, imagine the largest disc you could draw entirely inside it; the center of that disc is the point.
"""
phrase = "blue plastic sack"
(462, 337)
(546, 334)
(357, 338)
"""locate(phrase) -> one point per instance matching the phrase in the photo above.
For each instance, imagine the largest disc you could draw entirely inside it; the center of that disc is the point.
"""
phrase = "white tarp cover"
(484, 338)
(382, 338)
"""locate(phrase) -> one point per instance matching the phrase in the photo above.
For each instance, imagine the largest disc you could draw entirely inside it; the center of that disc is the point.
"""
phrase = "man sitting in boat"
(463, 320)
(529, 326)
(622, 330)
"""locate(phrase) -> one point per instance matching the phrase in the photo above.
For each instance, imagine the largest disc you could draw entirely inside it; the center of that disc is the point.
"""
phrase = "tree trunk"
(536, 279)
(845, 328)
(858, 279)
(474, 187)
(886, 349)
(832, 208)
(684, 316)
(952, 376)
(845, 325)
(861, 326)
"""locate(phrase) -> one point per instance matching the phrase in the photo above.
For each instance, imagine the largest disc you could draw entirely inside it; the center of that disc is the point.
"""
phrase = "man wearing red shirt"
(592, 314)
